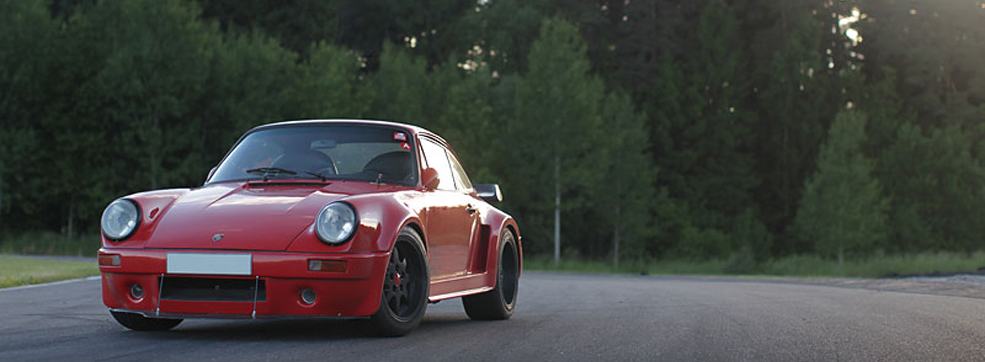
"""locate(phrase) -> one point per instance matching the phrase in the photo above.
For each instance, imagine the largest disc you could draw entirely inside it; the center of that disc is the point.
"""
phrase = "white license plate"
(212, 264)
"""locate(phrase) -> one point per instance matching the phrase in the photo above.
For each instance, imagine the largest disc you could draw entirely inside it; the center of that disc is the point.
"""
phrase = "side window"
(435, 156)
(460, 177)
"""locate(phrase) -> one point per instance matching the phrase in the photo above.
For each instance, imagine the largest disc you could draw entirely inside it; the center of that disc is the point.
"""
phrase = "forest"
(687, 130)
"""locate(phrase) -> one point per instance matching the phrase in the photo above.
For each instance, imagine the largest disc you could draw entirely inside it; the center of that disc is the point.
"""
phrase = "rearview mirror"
(489, 192)
(430, 179)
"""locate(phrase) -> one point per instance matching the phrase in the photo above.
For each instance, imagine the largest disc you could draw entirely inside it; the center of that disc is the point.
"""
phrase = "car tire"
(138, 322)
(405, 289)
(498, 304)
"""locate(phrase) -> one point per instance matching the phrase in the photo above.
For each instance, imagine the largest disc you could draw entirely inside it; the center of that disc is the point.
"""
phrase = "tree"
(555, 129)
(842, 208)
(28, 44)
(251, 80)
(157, 59)
(936, 187)
(792, 119)
(626, 192)
(701, 133)
(461, 99)
(402, 87)
(295, 23)
(936, 47)
(328, 85)
(504, 31)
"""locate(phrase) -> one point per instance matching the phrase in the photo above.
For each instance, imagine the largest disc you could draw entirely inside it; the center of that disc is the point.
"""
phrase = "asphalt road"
(560, 317)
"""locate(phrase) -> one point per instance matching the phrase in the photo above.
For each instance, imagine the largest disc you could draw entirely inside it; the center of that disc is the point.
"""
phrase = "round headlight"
(336, 223)
(120, 219)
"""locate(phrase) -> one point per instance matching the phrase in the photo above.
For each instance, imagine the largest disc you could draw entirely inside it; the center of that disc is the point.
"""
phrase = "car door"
(451, 218)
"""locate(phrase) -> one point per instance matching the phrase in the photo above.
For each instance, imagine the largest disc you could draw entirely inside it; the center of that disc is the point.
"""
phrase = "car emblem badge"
(217, 237)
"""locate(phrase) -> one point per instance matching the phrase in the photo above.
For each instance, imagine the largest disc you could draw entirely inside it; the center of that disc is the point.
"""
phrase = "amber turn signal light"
(109, 260)
(335, 266)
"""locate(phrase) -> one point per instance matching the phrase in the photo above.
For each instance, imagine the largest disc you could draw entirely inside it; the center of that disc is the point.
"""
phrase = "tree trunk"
(71, 216)
(155, 145)
(841, 253)
(557, 211)
(615, 239)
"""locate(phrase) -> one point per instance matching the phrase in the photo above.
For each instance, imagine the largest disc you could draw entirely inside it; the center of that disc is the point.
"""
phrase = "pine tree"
(626, 195)
(936, 186)
(842, 209)
(555, 150)
(154, 71)
(27, 49)
(701, 134)
(792, 114)
(402, 87)
(327, 85)
(252, 80)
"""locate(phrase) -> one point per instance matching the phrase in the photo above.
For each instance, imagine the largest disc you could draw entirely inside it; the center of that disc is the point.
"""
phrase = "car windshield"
(341, 152)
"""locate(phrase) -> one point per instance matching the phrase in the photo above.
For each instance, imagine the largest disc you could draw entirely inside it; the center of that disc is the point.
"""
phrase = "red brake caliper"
(396, 279)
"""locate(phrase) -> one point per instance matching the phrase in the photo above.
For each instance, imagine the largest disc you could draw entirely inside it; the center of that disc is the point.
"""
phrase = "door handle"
(471, 209)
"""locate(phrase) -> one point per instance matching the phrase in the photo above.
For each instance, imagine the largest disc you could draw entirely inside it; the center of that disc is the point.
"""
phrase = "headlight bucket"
(336, 223)
(120, 219)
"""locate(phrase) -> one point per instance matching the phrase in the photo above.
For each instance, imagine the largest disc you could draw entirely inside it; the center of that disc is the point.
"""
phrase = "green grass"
(15, 271)
(796, 266)
(49, 244)
(793, 266)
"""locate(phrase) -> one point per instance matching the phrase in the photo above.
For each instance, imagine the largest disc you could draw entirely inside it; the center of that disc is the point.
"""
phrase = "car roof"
(413, 128)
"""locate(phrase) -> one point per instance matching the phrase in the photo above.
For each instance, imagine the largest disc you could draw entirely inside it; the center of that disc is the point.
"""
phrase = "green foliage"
(625, 195)
(935, 185)
(936, 47)
(402, 87)
(558, 108)
(251, 81)
(792, 123)
(842, 210)
(750, 235)
(297, 23)
(701, 134)
(505, 30)
(157, 55)
(26, 33)
(327, 85)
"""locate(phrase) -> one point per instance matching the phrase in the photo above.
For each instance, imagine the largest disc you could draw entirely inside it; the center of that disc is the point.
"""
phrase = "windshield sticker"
(399, 136)
(405, 146)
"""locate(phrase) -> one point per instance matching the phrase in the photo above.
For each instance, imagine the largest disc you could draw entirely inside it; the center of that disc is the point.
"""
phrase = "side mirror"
(211, 172)
(489, 192)
(430, 179)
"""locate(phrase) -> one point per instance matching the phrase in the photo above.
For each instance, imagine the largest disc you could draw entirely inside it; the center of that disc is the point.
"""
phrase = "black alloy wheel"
(405, 289)
(498, 303)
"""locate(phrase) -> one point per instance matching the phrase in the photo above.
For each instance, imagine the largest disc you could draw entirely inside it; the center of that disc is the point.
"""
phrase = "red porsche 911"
(345, 219)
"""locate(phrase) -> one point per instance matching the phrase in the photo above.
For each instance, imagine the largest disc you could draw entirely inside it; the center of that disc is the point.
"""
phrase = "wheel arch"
(414, 224)
(499, 223)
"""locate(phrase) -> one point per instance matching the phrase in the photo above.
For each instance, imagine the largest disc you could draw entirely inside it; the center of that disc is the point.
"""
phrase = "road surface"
(560, 317)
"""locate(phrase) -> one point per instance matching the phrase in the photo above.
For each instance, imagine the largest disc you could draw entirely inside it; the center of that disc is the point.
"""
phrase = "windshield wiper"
(267, 171)
(318, 175)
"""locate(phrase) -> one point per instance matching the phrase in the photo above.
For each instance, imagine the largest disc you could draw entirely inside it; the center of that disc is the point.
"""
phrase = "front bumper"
(354, 293)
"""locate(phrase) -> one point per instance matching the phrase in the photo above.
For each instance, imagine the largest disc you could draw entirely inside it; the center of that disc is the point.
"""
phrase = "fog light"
(308, 296)
(136, 291)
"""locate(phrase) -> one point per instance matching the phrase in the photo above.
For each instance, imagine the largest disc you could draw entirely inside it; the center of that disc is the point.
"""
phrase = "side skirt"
(459, 287)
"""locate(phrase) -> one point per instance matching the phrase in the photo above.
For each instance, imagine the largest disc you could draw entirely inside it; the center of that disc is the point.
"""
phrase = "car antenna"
(379, 178)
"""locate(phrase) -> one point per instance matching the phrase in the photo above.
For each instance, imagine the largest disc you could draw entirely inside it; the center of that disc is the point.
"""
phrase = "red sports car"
(346, 219)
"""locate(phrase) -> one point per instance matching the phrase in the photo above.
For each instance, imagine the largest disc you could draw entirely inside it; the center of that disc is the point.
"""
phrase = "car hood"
(241, 216)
